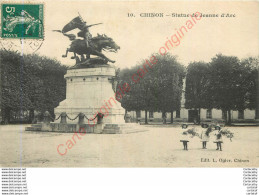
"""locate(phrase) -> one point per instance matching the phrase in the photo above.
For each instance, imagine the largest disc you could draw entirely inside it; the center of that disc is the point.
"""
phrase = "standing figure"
(185, 140)
(218, 140)
(205, 137)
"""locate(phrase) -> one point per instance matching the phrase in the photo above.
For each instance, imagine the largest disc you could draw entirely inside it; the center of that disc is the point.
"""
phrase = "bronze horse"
(97, 44)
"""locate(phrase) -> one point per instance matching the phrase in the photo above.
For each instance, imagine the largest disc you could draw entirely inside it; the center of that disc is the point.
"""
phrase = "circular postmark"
(21, 45)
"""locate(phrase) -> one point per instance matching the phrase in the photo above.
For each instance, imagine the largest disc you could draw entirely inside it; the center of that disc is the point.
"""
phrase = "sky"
(139, 37)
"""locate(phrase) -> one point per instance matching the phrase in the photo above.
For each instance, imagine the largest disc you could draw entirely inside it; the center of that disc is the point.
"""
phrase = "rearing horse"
(97, 44)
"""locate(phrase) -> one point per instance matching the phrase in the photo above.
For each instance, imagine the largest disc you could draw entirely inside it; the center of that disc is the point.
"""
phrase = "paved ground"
(158, 147)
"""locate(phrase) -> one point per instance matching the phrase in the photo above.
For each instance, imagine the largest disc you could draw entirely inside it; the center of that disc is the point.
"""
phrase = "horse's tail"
(57, 31)
(70, 36)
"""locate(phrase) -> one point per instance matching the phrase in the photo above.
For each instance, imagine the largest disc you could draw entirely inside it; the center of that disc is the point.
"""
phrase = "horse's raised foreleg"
(97, 53)
(64, 56)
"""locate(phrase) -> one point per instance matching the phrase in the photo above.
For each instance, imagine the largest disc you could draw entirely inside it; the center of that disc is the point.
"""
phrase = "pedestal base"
(89, 91)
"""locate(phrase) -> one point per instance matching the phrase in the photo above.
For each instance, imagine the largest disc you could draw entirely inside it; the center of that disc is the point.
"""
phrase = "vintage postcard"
(129, 84)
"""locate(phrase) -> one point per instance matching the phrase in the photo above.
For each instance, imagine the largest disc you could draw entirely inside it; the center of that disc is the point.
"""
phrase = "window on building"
(209, 113)
(151, 114)
(224, 114)
(138, 114)
(178, 115)
(241, 114)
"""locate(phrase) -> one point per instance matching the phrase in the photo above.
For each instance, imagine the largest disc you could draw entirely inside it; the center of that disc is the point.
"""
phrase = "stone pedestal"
(89, 91)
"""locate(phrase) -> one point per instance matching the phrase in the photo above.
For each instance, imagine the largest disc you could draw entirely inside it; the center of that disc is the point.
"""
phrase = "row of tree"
(35, 83)
(225, 83)
(29, 83)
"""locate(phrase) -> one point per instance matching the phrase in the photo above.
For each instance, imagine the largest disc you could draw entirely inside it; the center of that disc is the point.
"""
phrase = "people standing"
(185, 140)
(205, 137)
(218, 140)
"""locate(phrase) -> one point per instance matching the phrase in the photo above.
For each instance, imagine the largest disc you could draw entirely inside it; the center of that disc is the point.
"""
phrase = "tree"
(252, 67)
(196, 91)
(159, 89)
(167, 84)
(13, 90)
(138, 98)
(30, 82)
(48, 83)
(229, 80)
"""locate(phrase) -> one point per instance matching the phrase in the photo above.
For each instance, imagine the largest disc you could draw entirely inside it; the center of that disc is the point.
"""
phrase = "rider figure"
(84, 33)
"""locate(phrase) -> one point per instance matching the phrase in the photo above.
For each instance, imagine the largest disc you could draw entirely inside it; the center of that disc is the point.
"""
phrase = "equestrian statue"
(84, 48)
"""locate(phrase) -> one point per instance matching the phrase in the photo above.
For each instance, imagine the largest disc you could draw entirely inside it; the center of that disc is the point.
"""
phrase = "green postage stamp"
(22, 21)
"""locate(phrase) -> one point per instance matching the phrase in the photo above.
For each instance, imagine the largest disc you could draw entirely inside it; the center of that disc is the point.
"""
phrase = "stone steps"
(111, 129)
(100, 128)
(105, 127)
(123, 128)
(37, 125)
(33, 129)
